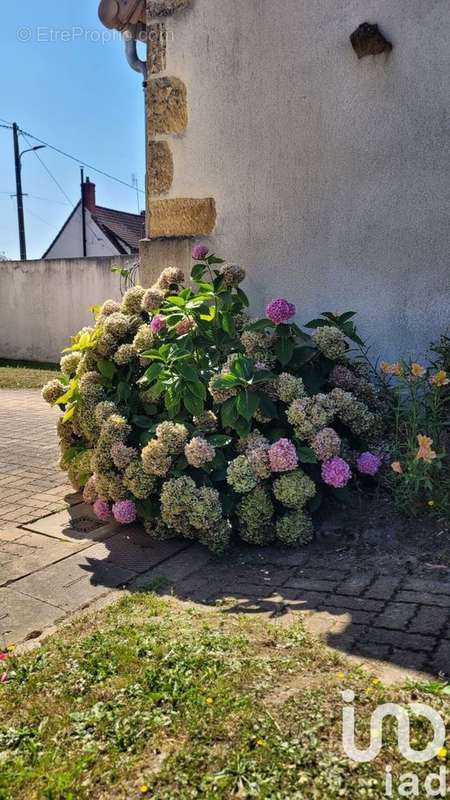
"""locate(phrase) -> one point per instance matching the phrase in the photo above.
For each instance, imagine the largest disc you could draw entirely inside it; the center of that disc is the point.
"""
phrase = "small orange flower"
(396, 467)
(440, 378)
(417, 371)
(425, 453)
(391, 369)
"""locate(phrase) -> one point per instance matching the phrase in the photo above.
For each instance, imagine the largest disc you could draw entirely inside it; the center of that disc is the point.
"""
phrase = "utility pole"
(83, 212)
(19, 193)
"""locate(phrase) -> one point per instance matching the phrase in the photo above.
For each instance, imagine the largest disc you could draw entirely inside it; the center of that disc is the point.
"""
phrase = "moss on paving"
(152, 698)
(26, 374)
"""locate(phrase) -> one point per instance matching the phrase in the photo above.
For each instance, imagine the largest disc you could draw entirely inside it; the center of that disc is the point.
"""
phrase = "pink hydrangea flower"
(3, 656)
(336, 472)
(283, 456)
(102, 509)
(124, 511)
(185, 326)
(158, 324)
(199, 251)
(368, 464)
(280, 310)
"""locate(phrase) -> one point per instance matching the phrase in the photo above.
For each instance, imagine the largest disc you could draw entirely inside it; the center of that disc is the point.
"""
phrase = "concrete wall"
(331, 175)
(43, 303)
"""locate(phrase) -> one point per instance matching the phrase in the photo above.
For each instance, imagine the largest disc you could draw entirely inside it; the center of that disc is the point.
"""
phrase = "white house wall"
(70, 242)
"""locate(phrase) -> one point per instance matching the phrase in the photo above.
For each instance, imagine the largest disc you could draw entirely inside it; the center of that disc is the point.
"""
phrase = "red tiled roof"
(121, 227)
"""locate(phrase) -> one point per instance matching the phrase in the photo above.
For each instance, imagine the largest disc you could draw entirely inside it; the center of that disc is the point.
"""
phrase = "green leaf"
(152, 373)
(214, 260)
(69, 413)
(284, 330)
(306, 455)
(123, 391)
(318, 323)
(267, 406)
(210, 316)
(197, 272)
(242, 367)
(198, 389)
(227, 322)
(121, 271)
(303, 354)
(284, 349)
(176, 301)
(172, 402)
(188, 372)
(348, 315)
(298, 331)
(242, 297)
(227, 381)
(242, 427)
(106, 368)
(192, 403)
(263, 376)
(219, 440)
(259, 325)
(69, 395)
(247, 404)
(154, 355)
(228, 412)
(330, 316)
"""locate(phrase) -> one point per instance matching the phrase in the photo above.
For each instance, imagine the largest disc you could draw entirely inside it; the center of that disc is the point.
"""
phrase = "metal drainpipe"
(140, 66)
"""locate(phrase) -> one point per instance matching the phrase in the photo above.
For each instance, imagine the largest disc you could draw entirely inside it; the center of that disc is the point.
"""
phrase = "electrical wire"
(73, 158)
(48, 171)
(80, 161)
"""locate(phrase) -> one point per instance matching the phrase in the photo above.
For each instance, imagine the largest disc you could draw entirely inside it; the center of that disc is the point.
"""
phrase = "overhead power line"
(63, 191)
(80, 161)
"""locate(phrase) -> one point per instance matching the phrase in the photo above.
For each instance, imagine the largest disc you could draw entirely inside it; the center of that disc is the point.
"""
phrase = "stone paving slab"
(23, 617)
(73, 583)
(29, 552)
(77, 523)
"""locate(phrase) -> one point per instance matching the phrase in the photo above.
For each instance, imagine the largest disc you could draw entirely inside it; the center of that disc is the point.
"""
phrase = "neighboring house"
(106, 232)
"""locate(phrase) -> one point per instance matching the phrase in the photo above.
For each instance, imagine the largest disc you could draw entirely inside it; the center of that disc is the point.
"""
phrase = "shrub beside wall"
(180, 410)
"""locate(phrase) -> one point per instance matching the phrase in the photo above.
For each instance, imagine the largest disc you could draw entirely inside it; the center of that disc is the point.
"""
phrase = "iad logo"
(434, 784)
(403, 731)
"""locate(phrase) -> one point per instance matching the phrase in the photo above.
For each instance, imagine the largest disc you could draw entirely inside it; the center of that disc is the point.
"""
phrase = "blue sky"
(63, 84)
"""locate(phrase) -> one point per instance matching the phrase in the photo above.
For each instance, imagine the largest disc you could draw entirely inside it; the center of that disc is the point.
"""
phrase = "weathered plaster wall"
(331, 175)
(43, 303)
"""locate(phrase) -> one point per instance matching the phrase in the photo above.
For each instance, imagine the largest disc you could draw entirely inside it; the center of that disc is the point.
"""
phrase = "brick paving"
(31, 484)
(56, 559)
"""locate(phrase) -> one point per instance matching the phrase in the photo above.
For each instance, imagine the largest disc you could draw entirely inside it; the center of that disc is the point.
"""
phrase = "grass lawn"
(26, 374)
(152, 698)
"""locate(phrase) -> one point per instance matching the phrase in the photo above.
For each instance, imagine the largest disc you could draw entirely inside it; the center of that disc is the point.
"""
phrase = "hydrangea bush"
(182, 412)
